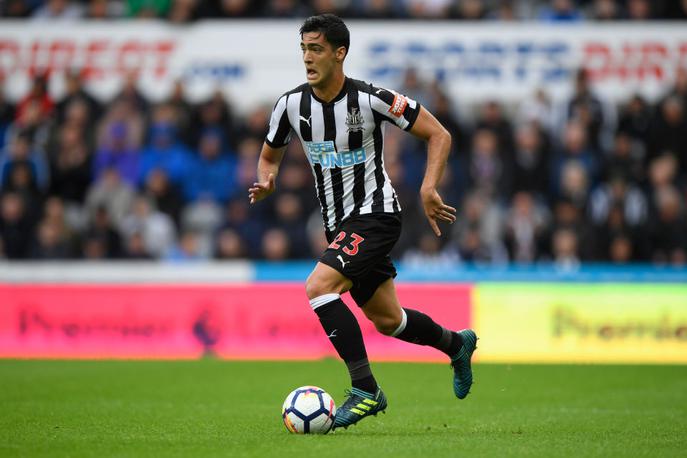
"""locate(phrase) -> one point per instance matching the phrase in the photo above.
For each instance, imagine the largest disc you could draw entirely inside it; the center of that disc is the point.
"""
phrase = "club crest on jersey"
(326, 156)
(354, 120)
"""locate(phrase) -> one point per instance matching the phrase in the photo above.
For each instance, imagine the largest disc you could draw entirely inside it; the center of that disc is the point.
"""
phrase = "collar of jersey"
(338, 97)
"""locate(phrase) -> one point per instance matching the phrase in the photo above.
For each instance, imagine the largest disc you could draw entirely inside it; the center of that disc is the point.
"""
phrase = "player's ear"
(340, 53)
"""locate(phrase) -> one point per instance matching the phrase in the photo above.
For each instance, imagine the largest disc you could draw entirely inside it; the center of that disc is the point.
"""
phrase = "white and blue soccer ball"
(308, 410)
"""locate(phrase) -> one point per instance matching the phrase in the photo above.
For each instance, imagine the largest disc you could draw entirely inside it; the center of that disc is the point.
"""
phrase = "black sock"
(344, 333)
(420, 329)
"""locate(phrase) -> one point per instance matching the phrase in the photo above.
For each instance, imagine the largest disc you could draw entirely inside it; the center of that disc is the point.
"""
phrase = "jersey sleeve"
(280, 128)
(396, 108)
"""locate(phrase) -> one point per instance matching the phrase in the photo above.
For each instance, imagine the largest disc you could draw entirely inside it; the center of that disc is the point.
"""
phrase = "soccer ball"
(308, 410)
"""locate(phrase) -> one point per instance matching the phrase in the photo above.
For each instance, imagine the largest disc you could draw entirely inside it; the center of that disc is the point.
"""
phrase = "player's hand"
(436, 210)
(261, 190)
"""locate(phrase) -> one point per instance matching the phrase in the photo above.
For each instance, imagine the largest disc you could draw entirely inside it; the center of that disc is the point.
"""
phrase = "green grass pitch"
(233, 409)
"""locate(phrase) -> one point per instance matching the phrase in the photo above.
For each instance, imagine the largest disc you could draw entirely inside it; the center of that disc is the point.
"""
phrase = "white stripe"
(276, 117)
(293, 109)
(319, 301)
(401, 327)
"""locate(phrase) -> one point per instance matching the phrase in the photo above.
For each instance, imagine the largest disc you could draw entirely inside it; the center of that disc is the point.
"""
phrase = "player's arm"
(268, 166)
(438, 140)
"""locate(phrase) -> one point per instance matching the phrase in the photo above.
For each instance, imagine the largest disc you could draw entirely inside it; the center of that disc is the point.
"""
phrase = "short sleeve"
(395, 107)
(280, 128)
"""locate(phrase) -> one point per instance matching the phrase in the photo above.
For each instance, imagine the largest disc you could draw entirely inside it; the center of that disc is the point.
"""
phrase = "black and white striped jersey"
(344, 142)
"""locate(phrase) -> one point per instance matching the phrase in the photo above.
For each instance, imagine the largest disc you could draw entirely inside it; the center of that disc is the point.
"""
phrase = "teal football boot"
(360, 404)
(462, 369)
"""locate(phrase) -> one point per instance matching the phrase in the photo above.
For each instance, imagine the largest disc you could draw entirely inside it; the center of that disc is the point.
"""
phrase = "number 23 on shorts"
(355, 241)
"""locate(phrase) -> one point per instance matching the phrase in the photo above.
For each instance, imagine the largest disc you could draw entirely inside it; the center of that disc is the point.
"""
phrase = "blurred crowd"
(569, 181)
(183, 11)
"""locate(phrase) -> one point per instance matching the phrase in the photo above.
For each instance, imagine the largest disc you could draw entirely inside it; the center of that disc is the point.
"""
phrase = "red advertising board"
(245, 321)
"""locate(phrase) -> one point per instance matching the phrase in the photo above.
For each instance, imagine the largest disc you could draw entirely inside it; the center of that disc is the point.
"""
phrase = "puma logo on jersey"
(333, 334)
(343, 263)
(306, 120)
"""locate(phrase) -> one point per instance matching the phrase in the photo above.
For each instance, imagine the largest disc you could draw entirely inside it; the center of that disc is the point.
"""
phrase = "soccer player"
(340, 123)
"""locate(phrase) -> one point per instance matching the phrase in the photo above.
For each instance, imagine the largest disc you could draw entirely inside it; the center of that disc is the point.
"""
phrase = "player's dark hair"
(334, 30)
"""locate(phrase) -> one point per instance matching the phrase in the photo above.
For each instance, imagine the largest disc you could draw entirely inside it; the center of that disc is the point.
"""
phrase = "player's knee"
(317, 286)
(386, 324)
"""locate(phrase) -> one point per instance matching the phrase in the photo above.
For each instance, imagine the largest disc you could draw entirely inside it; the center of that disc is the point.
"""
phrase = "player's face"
(320, 58)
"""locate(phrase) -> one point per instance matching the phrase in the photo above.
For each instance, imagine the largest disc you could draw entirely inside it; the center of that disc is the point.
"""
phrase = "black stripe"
(378, 194)
(306, 134)
(304, 113)
(337, 180)
(355, 141)
(411, 115)
(280, 137)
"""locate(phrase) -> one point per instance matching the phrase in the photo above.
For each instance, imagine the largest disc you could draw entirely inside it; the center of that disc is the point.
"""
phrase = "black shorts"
(359, 249)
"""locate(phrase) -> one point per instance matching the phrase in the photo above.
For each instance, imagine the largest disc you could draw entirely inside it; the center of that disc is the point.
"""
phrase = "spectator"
(290, 215)
(474, 10)
(164, 195)
(426, 9)
(635, 120)
(21, 154)
(7, 114)
(55, 213)
(15, 226)
(605, 10)
(111, 192)
(212, 174)
(530, 161)
(283, 9)
(377, 9)
(188, 249)
(525, 228)
(569, 216)
(494, 119)
(275, 245)
(621, 249)
(618, 192)
(129, 94)
(70, 166)
(157, 229)
(75, 92)
(182, 111)
(166, 153)
(230, 245)
(667, 235)
(668, 132)
(53, 10)
(104, 9)
(574, 150)
(431, 253)
(486, 170)
(624, 160)
(585, 108)
(102, 237)
(639, 10)
(136, 248)
(49, 245)
(147, 8)
(214, 114)
(538, 110)
(560, 11)
(479, 233)
(565, 249)
(93, 248)
(249, 228)
(119, 154)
